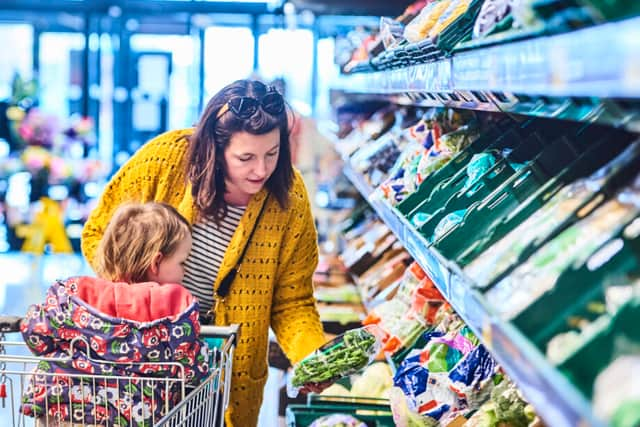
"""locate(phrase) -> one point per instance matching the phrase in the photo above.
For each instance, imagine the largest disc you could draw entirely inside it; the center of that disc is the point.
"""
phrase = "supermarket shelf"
(556, 400)
(541, 76)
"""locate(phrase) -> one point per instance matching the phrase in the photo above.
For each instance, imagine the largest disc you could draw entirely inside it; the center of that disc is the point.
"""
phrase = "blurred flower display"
(39, 129)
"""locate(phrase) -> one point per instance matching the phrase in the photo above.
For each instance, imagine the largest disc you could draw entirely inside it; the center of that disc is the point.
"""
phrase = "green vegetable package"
(342, 356)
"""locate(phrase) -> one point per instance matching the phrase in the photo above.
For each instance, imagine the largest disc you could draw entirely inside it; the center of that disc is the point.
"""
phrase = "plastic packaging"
(402, 415)
(420, 26)
(344, 355)
(447, 223)
(337, 420)
(478, 166)
(496, 259)
(391, 32)
(419, 219)
(455, 9)
(451, 376)
(492, 12)
(616, 393)
(574, 245)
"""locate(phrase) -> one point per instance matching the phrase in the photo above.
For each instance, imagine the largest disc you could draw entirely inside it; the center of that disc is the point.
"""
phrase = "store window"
(228, 57)
(289, 54)
(328, 74)
(60, 73)
(166, 78)
(18, 59)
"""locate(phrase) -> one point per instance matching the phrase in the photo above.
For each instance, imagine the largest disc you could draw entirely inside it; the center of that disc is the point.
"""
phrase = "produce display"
(342, 356)
(451, 376)
(433, 142)
(338, 420)
(537, 275)
(491, 13)
(504, 253)
(506, 407)
(617, 392)
(518, 207)
(375, 382)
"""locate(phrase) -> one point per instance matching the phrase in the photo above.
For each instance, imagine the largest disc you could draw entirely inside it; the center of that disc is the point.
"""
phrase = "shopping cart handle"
(208, 331)
(10, 323)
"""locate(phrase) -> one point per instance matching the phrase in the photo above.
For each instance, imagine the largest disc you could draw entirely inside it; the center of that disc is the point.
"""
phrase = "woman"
(233, 168)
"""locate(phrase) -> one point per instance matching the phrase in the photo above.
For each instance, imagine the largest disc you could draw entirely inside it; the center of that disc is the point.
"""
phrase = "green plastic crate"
(458, 162)
(595, 157)
(622, 172)
(613, 9)
(463, 198)
(460, 29)
(373, 412)
(481, 215)
(579, 293)
(594, 356)
(456, 197)
(574, 290)
(447, 188)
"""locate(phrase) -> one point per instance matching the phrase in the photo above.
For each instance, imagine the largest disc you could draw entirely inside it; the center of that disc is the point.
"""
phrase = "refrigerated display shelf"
(556, 400)
(592, 74)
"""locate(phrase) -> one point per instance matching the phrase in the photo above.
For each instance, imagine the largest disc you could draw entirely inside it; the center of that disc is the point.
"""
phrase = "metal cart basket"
(199, 406)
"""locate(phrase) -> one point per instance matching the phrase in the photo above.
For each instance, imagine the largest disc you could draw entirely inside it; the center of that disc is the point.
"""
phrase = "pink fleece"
(141, 302)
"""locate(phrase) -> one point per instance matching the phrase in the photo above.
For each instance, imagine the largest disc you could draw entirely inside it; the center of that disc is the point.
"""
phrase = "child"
(135, 312)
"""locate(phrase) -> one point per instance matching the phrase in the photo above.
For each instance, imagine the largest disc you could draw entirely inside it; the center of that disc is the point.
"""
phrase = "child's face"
(171, 267)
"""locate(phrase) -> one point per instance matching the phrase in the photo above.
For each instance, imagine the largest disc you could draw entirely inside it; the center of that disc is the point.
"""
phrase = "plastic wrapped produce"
(419, 27)
(495, 260)
(402, 415)
(447, 223)
(426, 302)
(375, 381)
(478, 165)
(419, 219)
(337, 420)
(461, 138)
(616, 392)
(473, 377)
(456, 8)
(429, 164)
(491, 13)
(391, 32)
(539, 273)
(342, 356)
(451, 376)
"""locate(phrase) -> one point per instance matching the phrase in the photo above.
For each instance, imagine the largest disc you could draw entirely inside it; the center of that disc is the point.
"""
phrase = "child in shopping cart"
(135, 321)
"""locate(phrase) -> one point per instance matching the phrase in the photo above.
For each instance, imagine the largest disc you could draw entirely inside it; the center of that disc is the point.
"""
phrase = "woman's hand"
(315, 387)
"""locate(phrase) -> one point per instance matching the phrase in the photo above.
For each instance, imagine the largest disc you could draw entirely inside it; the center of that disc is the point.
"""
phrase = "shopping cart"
(203, 405)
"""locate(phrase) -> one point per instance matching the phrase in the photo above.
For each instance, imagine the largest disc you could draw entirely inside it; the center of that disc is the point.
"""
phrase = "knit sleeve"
(137, 180)
(294, 317)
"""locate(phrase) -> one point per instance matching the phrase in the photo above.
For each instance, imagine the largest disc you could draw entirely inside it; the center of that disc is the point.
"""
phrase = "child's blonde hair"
(136, 232)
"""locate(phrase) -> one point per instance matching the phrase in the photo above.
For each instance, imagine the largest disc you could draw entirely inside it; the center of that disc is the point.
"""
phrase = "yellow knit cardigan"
(273, 287)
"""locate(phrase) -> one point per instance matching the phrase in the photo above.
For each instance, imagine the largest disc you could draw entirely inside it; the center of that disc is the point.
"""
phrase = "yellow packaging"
(455, 9)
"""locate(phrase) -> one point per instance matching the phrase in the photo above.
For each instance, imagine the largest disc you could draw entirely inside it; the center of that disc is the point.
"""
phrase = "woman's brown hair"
(207, 169)
(136, 232)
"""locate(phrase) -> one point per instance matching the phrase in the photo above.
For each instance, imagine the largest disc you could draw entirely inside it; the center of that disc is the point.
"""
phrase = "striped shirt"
(210, 243)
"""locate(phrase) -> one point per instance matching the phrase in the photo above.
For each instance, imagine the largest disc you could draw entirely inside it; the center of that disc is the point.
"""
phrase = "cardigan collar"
(239, 239)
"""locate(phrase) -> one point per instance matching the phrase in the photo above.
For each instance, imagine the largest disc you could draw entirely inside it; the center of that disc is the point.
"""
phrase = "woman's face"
(250, 161)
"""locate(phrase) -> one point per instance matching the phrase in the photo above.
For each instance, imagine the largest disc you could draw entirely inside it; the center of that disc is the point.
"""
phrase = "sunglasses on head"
(246, 106)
